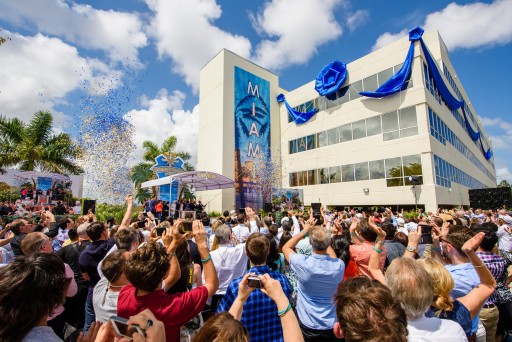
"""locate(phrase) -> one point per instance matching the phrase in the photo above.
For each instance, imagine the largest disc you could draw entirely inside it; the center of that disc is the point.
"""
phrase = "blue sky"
(150, 52)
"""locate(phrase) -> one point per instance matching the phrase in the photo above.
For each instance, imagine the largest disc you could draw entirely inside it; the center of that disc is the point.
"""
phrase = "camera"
(186, 226)
(254, 281)
(159, 230)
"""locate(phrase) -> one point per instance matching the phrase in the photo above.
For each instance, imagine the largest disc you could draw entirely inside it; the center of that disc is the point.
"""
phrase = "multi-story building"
(355, 151)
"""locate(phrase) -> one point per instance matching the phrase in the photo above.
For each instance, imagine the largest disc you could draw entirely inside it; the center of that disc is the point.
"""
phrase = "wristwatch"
(411, 248)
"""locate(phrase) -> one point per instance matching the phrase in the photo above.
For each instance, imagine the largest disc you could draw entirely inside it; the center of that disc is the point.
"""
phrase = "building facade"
(355, 151)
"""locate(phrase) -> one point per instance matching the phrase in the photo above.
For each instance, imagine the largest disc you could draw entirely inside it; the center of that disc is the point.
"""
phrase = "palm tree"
(35, 147)
(169, 144)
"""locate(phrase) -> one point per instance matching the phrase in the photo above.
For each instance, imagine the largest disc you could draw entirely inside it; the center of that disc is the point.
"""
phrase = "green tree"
(504, 184)
(33, 146)
(169, 145)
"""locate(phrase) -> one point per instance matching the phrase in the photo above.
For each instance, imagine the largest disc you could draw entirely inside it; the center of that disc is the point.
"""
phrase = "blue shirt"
(318, 277)
(259, 315)
(466, 279)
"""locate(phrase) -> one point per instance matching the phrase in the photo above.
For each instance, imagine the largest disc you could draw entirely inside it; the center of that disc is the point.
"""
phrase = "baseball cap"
(400, 221)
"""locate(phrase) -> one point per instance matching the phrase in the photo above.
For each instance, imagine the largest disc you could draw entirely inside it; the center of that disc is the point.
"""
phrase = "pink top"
(361, 255)
(72, 289)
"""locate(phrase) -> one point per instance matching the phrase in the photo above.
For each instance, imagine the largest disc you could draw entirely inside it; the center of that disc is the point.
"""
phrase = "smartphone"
(160, 231)
(241, 211)
(157, 222)
(254, 281)
(426, 234)
(186, 226)
(122, 328)
(145, 214)
(141, 224)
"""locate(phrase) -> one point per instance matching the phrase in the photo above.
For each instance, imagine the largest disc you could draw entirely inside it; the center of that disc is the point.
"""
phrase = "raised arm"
(171, 240)
(374, 263)
(125, 223)
(474, 300)
(436, 245)
(243, 294)
(290, 245)
(210, 275)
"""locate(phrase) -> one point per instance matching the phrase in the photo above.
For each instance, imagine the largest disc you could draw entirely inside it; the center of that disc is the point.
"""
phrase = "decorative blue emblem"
(330, 79)
(162, 167)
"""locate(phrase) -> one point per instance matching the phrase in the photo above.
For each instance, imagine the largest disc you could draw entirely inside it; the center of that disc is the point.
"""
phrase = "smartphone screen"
(122, 328)
(160, 231)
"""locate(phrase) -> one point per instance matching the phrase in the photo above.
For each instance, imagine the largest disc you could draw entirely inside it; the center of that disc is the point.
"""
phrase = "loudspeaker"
(493, 198)
(89, 204)
(267, 207)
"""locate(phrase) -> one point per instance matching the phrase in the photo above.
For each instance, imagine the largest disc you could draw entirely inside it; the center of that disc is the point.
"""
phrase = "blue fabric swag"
(297, 117)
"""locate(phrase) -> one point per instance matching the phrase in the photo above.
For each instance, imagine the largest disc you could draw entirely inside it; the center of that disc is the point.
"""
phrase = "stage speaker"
(267, 207)
(88, 204)
(494, 198)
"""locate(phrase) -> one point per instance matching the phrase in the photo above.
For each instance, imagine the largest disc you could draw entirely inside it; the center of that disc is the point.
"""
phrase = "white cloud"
(466, 26)
(504, 173)
(502, 140)
(118, 34)
(184, 31)
(162, 117)
(38, 72)
(357, 19)
(296, 29)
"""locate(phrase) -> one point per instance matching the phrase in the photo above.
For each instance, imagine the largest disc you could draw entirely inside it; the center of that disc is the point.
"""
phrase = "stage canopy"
(29, 175)
(200, 180)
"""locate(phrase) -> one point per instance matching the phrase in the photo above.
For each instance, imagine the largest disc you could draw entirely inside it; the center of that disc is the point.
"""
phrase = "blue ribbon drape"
(398, 81)
(297, 117)
(475, 135)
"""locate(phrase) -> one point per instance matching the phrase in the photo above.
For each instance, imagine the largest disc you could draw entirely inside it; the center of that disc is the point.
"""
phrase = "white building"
(356, 151)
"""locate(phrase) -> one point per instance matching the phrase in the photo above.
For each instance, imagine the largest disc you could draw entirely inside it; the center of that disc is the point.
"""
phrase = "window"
(311, 141)
(390, 126)
(393, 167)
(332, 136)
(293, 146)
(370, 83)
(346, 133)
(343, 95)
(412, 167)
(408, 122)
(312, 177)
(347, 173)
(359, 129)
(324, 175)
(334, 174)
(293, 179)
(376, 169)
(361, 171)
(302, 178)
(384, 75)
(322, 139)
(354, 90)
(301, 142)
(373, 126)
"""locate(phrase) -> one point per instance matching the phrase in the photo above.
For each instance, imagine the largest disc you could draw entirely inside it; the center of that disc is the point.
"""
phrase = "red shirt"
(173, 310)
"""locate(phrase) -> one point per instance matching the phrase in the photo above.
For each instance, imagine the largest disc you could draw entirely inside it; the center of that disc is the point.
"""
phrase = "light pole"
(415, 180)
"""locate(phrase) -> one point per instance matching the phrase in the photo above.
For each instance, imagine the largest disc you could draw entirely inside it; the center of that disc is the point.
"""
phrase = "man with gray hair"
(412, 286)
(318, 276)
(230, 262)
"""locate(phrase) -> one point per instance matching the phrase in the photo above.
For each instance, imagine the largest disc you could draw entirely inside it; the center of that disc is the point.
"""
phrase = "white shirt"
(296, 225)
(230, 263)
(104, 301)
(505, 239)
(435, 329)
(241, 232)
(77, 209)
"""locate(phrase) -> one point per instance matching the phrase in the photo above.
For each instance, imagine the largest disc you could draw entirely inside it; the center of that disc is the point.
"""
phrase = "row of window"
(349, 92)
(393, 125)
(440, 131)
(396, 171)
(430, 85)
(446, 173)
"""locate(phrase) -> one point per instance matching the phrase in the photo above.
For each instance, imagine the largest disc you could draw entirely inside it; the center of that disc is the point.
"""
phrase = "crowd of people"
(333, 276)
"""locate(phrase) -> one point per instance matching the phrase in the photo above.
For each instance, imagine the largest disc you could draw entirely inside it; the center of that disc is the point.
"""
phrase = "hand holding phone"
(123, 329)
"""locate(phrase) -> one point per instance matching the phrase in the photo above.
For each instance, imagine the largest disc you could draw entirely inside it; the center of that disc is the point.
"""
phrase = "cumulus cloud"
(118, 34)
(503, 129)
(296, 28)
(38, 72)
(162, 117)
(466, 26)
(185, 32)
(357, 19)
(504, 173)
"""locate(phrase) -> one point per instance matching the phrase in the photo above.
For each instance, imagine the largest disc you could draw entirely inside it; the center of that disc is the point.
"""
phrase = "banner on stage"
(252, 135)
(44, 183)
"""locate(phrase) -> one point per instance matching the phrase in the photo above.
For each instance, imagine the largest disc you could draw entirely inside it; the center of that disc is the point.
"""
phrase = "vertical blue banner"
(169, 193)
(252, 136)
(44, 183)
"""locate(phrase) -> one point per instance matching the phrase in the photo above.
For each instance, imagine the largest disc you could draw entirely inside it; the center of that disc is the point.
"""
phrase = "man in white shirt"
(241, 231)
(505, 233)
(230, 263)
